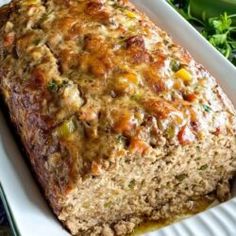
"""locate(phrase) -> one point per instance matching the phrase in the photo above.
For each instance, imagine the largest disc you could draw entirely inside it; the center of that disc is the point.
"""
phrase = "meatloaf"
(120, 124)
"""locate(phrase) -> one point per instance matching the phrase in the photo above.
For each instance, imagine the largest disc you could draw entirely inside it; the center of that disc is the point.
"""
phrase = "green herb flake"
(175, 65)
(53, 86)
(206, 108)
(121, 41)
(204, 167)
(181, 177)
(63, 84)
(136, 97)
(132, 184)
(165, 41)
(36, 42)
(43, 18)
(121, 139)
(107, 204)
(119, 6)
(25, 78)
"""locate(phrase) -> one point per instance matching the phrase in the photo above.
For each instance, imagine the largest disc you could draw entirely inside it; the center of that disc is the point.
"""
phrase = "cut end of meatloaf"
(120, 124)
(153, 187)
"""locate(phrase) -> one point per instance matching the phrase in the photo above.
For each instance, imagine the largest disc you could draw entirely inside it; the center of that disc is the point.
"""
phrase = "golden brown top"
(96, 80)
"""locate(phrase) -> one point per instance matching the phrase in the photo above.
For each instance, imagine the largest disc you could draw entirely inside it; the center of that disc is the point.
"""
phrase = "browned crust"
(37, 173)
(4, 14)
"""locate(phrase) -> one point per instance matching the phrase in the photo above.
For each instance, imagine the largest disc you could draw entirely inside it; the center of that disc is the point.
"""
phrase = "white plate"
(27, 208)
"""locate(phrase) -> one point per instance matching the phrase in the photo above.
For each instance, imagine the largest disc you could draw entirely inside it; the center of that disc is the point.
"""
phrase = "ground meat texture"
(120, 124)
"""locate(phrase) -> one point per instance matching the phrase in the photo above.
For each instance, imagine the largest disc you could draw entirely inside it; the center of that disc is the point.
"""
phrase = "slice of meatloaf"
(121, 125)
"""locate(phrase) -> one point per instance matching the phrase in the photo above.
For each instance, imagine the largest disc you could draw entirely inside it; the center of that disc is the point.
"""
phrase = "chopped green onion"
(171, 131)
(66, 128)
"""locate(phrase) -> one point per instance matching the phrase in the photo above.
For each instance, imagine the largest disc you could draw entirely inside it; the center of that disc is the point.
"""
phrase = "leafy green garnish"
(220, 31)
(221, 24)
(219, 34)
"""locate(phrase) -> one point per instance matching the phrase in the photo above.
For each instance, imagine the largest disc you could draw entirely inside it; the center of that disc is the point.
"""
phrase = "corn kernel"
(130, 14)
(184, 75)
(30, 2)
(126, 83)
(131, 77)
